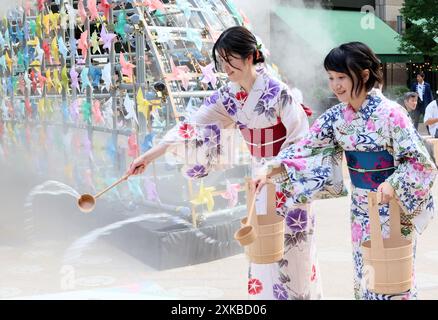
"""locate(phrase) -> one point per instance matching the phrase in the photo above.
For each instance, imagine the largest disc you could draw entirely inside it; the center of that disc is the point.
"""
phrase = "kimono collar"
(366, 110)
(256, 91)
(369, 106)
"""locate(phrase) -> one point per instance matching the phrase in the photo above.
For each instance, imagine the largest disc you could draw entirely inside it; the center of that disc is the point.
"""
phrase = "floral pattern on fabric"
(280, 198)
(186, 131)
(269, 102)
(241, 96)
(313, 167)
(313, 164)
(280, 292)
(254, 286)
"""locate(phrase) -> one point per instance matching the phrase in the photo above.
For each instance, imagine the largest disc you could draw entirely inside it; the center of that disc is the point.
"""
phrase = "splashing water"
(50, 187)
(74, 252)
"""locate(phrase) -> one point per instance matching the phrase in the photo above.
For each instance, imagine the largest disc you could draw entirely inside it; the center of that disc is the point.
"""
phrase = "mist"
(299, 64)
(5, 5)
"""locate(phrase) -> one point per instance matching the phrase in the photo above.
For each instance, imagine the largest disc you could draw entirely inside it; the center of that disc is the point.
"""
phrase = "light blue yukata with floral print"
(269, 102)
(313, 167)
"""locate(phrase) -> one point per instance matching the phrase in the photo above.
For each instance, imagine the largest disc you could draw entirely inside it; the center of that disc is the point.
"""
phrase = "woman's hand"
(387, 192)
(264, 176)
(138, 166)
(258, 183)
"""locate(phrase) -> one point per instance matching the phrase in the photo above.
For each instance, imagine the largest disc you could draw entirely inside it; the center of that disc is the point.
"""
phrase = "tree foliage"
(421, 34)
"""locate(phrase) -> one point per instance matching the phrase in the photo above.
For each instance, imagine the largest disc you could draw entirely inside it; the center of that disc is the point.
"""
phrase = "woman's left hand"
(387, 192)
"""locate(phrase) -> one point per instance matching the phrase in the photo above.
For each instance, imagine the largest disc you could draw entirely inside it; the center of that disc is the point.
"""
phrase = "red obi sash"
(265, 142)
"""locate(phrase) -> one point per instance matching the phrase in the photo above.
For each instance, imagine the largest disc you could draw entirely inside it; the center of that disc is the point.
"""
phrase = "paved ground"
(104, 272)
(36, 272)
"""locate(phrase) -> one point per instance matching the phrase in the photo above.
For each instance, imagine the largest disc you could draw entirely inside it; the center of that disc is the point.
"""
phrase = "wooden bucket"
(432, 146)
(389, 262)
(268, 246)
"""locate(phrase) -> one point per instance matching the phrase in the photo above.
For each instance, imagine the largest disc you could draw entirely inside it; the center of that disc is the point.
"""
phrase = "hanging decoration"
(205, 196)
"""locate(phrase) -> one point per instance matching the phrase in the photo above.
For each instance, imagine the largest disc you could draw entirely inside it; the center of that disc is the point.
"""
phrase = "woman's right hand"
(138, 166)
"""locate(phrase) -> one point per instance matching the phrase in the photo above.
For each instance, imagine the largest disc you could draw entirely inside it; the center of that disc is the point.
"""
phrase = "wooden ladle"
(247, 234)
(87, 202)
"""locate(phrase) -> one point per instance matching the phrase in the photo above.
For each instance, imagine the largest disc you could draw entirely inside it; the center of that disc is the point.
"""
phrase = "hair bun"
(259, 57)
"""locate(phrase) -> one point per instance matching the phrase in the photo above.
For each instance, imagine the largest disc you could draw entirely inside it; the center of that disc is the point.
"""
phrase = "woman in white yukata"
(383, 150)
(269, 119)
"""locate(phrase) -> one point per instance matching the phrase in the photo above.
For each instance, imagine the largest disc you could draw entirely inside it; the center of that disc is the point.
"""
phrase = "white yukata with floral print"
(313, 166)
(270, 101)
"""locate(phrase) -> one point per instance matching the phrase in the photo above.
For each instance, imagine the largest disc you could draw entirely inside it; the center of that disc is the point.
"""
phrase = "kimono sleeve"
(313, 165)
(293, 117)
(415, 170)
(195, 143)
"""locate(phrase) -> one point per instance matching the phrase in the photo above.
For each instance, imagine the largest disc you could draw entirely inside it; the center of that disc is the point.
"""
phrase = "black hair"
(352, 58)
(421, 74)
(239, 41)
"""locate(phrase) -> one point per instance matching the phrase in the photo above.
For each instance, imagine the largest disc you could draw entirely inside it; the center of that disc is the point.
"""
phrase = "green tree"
(421, 35)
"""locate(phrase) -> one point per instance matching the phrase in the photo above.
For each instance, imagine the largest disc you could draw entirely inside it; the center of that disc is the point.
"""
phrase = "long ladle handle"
(112, 186)
(252, 210)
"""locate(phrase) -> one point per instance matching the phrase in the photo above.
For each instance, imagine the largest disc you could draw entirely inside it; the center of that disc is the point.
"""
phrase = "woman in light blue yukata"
(383, 149)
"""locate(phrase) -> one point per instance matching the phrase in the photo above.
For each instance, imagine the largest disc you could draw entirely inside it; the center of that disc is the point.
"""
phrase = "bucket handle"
(394, 220)
(376, 236)
(375, 230)
(252, 212)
